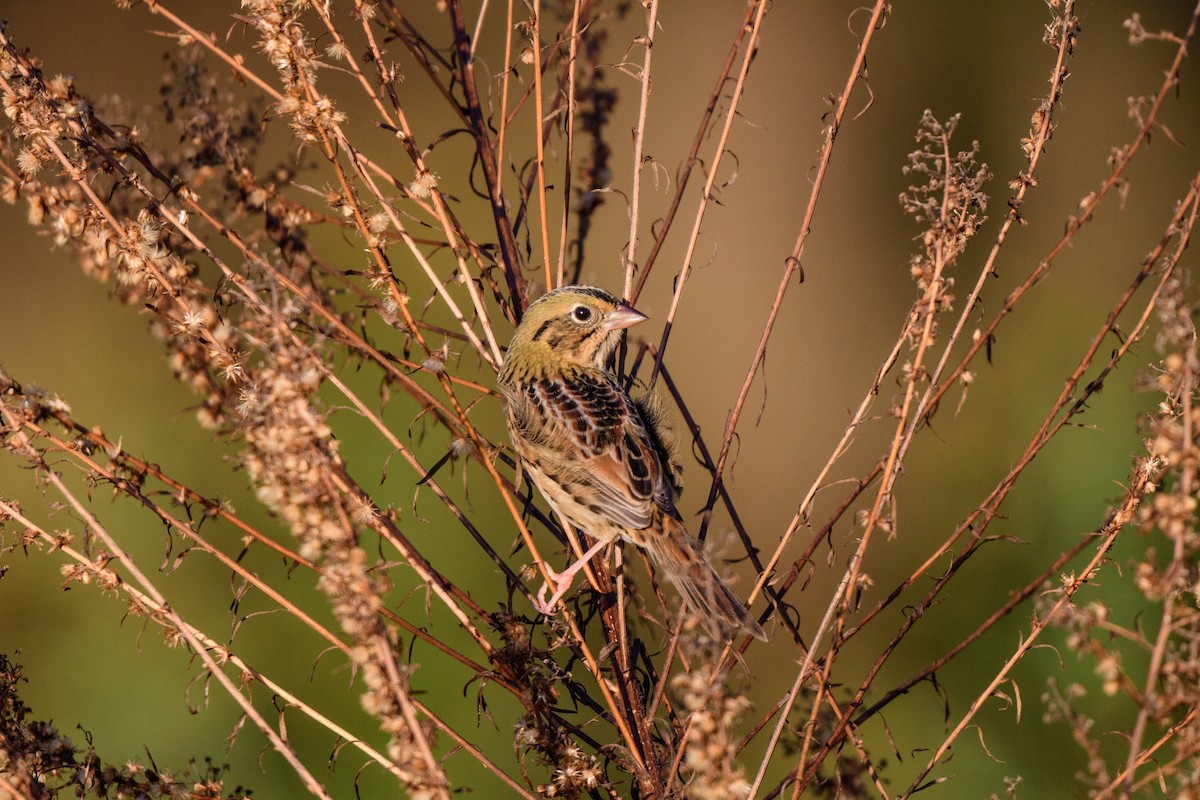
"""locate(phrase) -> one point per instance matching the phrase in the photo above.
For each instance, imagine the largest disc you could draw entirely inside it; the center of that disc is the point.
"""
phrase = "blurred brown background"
(61, 331)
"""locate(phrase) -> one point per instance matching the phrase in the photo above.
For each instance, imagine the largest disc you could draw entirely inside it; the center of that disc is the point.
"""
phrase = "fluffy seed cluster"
(292, 457)
(948, 202)
(539, 732)
(712, 708)
(237, 350)
(148, 261)
(285, 41)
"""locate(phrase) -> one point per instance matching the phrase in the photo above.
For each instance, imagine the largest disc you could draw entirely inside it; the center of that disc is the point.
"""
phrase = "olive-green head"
(579, 325)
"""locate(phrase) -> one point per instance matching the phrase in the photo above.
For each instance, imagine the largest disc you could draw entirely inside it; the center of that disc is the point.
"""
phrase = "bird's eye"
(582, 313)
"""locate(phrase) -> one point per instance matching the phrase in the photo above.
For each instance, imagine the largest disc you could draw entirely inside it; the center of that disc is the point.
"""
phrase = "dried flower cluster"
(712, 709)
(540, 731)
(949, 203)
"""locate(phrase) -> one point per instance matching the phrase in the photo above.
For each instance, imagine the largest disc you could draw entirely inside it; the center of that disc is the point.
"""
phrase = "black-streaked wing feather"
(590, 419)
(662, 438)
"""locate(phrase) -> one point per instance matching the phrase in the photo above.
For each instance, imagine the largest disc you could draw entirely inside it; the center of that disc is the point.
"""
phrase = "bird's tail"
(683, 561)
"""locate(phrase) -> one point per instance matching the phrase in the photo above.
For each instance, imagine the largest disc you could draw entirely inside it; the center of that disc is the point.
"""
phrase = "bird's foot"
(561, 581)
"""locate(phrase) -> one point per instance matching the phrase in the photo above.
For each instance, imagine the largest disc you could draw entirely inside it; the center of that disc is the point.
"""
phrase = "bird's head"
(580, 324)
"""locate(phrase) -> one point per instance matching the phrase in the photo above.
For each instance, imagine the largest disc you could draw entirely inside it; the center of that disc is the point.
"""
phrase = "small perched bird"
(602, 460)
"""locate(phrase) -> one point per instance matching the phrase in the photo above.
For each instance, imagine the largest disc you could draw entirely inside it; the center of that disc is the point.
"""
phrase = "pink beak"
(624, 316)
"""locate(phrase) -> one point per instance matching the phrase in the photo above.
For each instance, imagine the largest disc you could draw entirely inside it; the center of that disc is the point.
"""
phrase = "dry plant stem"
(490, 353)
(706, 195)
(101, 208)
(807, 742)
(552, 55)
(278, 743)
(8, 789)
(660, 686)
(540, 141)
(441, 587)
(890, 468)
(1181, 225)
(702, 453)
(155, 611)
(478, 26)
(930, 401)
(693, 158)
(1138, 487)
(1074, 225)
(465, 67)
(209, 42)
(824, 693)
(1067, 32)
(509, 67)
(639, 140)
(443, 210)
(384, 655)
(790, 696)
(1122, 780)
(158, 612)
(1187, 481)
(569, 135)
(791, 267)
(1066, 38)
(623, 630)
(1076, 222)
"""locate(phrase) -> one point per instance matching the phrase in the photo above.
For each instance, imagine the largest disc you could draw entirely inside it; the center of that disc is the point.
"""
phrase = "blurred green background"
(62, 332)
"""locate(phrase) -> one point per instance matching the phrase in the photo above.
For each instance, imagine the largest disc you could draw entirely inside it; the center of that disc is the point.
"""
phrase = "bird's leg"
(562, 580)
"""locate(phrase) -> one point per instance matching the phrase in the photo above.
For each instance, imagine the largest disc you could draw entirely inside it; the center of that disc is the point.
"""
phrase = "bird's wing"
(607, 457)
